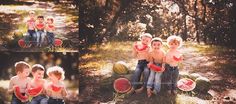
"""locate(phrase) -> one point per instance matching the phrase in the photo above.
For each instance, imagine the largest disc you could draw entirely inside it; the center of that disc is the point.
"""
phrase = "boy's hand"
(14, 87)
(163, 69)
(148, 65)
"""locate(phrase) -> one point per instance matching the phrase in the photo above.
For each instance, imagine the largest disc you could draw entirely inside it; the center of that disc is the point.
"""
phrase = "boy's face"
(25, 72)
(38, 74)
(145, 40)
(40, 20)
(174, 45)
(156, 44)
(31, 15)
(49, 21)
(52, 77)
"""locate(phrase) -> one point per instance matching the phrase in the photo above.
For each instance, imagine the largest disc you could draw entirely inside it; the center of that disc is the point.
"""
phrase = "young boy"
(156, 57)
(55, 88)
(40, 26)
(19, 81)
(140, 51)
(37, 83)
(173, 58)
(50, 28)
(31, 27)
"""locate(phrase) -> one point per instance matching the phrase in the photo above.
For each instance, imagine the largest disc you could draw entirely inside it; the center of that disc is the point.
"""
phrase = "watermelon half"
(155, 68)
(22, 43)
(18, 94)
(35, 91)
(122, 85)
(186, 84)
(58, 42)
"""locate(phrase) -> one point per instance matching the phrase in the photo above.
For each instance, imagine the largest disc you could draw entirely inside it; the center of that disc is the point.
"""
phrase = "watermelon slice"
(176, 58)
(186, 84)
(56, 88)
(18, 94)
(58, 42)
(35, 91)
(22, 43)
(156, 68)
(144, 47)
(122, 85)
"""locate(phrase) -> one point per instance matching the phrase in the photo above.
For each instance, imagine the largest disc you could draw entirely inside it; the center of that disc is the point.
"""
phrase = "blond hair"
(57, 71)
(146, 35)
(174, 39)
(20, 66)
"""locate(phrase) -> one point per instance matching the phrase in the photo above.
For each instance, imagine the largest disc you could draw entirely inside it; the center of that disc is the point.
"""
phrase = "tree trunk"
(196, 20)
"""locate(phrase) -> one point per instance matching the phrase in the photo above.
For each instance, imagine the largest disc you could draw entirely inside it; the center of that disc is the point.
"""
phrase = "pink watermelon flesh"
(56, 88)
(140, 48)
(186, 84)
(21, 43)
(35, 91)
(122, 85)
(23, 98)
(176, 59)
(58, 42)
(155, 67)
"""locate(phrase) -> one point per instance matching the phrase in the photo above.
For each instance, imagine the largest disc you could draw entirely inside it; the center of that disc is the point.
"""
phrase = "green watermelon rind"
(203, 84)
(124, 70)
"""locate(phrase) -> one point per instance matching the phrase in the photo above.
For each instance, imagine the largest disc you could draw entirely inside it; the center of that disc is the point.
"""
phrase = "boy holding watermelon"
(40, 26)
(156, 57)
(50, 28)
(55, 88)
(36, 85)
(18, 83)
(30, 23)
(140, 51)
(173, 58)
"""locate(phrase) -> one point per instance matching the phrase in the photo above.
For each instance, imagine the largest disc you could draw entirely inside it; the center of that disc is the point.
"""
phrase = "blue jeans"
(31, 37)
(15, 100)
(55, 101)
(40, 99)
(156, 78)
(40, 37)
(171, 75)
(51, 38)
(141, 67)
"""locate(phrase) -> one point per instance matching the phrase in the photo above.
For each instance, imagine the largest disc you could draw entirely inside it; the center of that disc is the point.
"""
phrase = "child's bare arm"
(163, 61)
(64, 92)
(134, 52)
(10, 88)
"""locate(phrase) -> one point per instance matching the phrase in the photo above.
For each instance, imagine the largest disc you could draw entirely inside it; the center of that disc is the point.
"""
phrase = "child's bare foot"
(139, 90)
(131, 91)
(149, 92)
